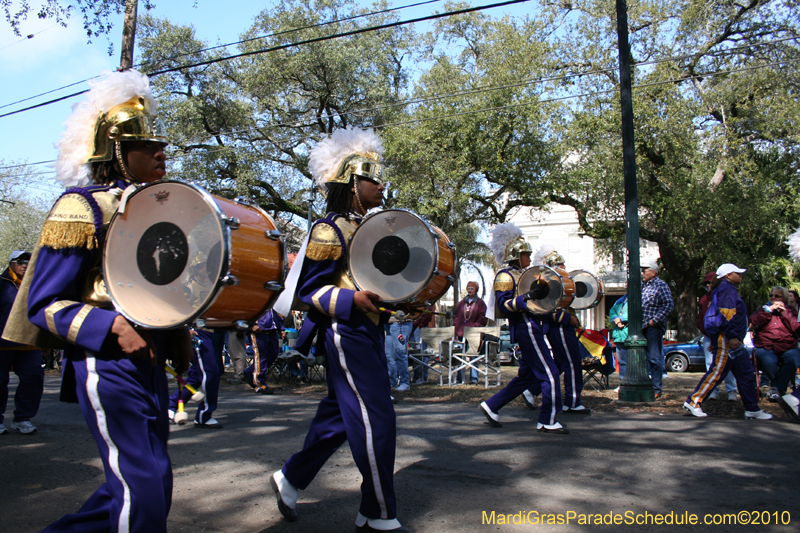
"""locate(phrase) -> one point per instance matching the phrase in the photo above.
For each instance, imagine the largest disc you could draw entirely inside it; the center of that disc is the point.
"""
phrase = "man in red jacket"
(776, 331)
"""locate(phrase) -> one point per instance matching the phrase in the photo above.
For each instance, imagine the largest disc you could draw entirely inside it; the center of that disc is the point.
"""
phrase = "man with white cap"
(26, 359)
(657, 304)
(726, 325)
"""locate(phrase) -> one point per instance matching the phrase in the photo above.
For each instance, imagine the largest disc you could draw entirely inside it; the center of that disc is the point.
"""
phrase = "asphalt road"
(452, 470)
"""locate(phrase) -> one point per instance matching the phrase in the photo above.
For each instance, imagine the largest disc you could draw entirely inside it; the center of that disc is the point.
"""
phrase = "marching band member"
(112, 140)
(563, 340)
(265, 338)
(527, 329)
(358, 408)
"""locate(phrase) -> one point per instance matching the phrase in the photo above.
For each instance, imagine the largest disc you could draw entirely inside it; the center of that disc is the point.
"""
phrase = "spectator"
(398, 333)
(470, 312)
(425, 320)
(794, 299)
(656, 306)
(725, 323)
(705, 301)
(776, 330)
(619, 331)
(26, 360)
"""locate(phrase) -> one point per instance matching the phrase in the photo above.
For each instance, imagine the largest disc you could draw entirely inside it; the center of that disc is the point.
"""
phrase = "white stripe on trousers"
(571, 367)
(553, 385)
(373, 463)
(202, 382)
(92, 382)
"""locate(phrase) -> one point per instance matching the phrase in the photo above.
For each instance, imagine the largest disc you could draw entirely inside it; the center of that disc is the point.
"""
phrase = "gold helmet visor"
(362, 167)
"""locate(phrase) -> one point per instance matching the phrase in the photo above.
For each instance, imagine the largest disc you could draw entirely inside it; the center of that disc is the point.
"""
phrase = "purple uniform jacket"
(55, 297)
(515, 307)
(319, 287)
(269, 324)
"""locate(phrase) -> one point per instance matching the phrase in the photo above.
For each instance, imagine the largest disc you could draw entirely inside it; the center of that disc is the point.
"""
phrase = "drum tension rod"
(230, 280)
(232, 222)
(273, 286)
(274, 234)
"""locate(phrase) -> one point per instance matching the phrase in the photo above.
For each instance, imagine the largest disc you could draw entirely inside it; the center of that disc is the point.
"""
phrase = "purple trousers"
(359, 410)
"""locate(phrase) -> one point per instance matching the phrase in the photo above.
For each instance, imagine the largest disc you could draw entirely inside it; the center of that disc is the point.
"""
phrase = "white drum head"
(588, 289)
(552, 295)
(165, 255)
(393, 253)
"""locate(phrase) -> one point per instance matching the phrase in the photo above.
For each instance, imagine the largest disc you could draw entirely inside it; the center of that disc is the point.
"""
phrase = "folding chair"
(598, 363)
(438, 341)
(476, 355)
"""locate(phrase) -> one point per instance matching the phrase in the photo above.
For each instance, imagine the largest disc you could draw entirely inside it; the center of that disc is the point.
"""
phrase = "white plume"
(502, 236)
(794, 245)
(77, 142)
(328, 154)
(543, 251)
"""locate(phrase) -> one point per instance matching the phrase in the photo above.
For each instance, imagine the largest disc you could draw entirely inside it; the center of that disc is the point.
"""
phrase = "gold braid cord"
(70, 224)
(324, 244)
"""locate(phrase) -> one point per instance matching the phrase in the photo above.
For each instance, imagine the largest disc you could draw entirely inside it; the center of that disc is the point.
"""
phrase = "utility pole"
(637, 386)
(128, 35)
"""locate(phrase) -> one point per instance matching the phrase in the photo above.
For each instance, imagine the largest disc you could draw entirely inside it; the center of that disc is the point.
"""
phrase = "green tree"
(21, 214)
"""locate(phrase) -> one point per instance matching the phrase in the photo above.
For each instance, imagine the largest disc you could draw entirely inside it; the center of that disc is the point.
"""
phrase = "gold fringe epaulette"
(503, 282)
(70, 224)
(324, 244)
(60, 235)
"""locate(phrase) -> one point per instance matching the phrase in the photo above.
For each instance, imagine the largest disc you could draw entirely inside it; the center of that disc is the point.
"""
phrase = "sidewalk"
(451, 467)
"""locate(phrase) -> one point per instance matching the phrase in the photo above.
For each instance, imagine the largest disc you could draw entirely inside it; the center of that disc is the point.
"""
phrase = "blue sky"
(58, 56)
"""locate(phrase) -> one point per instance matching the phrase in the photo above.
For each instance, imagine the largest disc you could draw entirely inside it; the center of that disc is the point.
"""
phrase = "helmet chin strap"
(358, 199)
(126, 174)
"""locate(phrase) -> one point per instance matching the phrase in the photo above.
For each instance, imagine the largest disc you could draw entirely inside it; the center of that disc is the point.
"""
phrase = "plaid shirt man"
(656, 302)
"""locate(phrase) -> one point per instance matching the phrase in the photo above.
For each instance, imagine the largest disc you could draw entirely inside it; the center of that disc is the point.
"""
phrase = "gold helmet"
(118, 107)
(346, 153)
(516, 248)
(547, 255)
(128, 121)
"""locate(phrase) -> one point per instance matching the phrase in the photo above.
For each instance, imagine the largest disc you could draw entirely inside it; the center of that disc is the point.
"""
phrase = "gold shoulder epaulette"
(324, 243)
(108, 202)
(503, 282)
(70, 224)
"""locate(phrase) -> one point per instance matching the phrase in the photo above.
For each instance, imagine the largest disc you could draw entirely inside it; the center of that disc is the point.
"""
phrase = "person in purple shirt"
(115, 372)
(726, 324)
(26, 360)
(347, 324)
(265, 338)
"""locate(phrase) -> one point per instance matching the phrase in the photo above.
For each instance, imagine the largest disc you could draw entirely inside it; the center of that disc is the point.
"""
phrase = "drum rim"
(224, 266)
(434, 237)
(600, 292)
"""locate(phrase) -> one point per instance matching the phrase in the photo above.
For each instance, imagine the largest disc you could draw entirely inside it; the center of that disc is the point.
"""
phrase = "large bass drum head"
(393, 253)
(552, 295)
(588, 290)
(165, 254)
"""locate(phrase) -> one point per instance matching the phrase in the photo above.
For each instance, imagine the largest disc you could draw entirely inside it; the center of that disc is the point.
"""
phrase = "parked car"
(684, 356)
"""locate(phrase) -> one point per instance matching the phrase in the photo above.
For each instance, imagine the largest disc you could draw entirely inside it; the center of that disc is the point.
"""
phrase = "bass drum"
(401, 257)
(178, 255)
(589, 290)
(559, 293)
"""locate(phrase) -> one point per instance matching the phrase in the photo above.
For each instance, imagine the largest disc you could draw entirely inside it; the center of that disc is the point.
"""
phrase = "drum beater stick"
(197, 395)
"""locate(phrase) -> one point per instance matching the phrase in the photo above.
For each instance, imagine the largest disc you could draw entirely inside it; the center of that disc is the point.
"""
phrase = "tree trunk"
(685, 272)
(128, 35)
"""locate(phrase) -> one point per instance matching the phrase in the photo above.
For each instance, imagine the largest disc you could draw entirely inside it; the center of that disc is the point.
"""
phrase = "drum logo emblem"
(162, 196)
(390, 219)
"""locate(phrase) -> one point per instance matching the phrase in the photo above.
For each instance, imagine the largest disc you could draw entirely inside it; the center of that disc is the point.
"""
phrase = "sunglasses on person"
(20, 261)
(776, 296)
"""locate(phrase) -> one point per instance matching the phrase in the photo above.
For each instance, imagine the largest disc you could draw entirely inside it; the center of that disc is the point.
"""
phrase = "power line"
(291, 45)
(200, 51)
(28, 37)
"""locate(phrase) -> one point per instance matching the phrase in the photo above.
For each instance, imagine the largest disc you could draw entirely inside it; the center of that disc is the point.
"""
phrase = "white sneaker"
(551, 428)
(714, 395)
(171, 415)
(757, 415)
(789, 403)
(491, 416)
(616, 390)
(286, 495)
(529, 399)
(403, 387)
(695, 411)
(732, 396)
(24, 427)
(3, 429)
